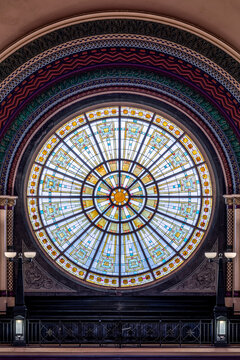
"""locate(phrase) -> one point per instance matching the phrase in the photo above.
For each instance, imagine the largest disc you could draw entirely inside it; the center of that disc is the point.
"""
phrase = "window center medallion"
(119, 197)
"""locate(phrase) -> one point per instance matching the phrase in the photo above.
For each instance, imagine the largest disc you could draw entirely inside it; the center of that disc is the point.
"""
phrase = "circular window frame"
(166, 114)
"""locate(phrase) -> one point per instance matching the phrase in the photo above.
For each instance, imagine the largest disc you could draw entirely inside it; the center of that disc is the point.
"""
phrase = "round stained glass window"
(119, 197)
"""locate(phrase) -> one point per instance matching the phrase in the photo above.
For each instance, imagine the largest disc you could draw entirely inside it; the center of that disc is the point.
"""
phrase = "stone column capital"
(236, 200)
(7, 200)
(3, 202)
(228, 200)
(233, 199)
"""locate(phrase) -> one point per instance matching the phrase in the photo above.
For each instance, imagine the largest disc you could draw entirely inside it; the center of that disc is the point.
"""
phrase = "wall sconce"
(221, 333)
(19, 338)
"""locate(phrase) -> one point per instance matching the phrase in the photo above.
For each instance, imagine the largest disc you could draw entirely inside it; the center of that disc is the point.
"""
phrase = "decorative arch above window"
(119, 197)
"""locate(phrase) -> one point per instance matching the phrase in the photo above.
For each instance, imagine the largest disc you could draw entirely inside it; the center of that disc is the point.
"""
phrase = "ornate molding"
(161, 83)
(202, 280)
(66, 45)
(117, 15)
(36, 280)
(125, 26)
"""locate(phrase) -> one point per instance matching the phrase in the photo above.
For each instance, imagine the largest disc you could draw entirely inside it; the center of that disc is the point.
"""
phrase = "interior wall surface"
(123, 58)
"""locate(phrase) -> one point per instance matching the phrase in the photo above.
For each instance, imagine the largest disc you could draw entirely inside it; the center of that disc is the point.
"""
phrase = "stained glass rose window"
(119, 197)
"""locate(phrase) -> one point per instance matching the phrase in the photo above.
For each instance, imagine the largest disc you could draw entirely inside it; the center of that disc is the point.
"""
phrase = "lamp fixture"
(27, 254)
(210, 255)
(230, 255)
(10, 254)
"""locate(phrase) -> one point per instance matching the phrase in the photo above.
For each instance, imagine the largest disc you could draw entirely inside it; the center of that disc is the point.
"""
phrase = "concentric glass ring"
(119, 197)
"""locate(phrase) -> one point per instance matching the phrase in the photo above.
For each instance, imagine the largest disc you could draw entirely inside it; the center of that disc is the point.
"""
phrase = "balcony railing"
(104, 332)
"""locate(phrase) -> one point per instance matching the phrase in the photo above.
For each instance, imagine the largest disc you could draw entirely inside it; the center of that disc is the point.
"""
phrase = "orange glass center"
(119, 197)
